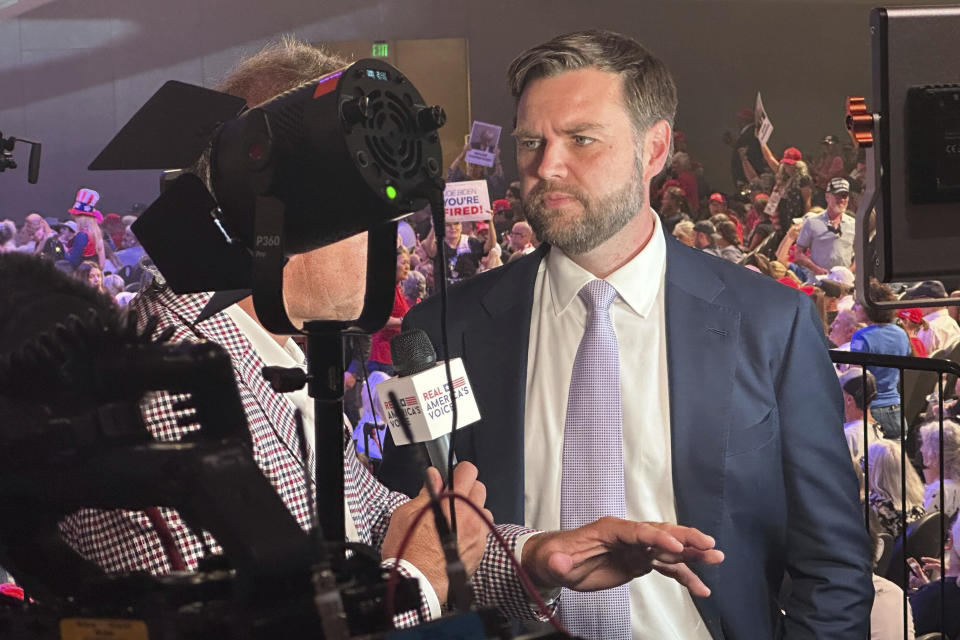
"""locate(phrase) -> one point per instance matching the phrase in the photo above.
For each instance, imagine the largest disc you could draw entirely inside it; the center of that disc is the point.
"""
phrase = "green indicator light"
(391, 192)
(380, 50)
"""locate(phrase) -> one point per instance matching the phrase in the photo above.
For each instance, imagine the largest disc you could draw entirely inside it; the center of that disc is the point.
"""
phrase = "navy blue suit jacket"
(759, 458)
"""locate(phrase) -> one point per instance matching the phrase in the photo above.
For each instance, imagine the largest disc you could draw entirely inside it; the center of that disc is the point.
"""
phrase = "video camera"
(6, 156)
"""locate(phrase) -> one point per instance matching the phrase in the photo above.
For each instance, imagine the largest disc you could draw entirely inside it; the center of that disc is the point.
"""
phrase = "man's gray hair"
(929, 436)
(649, 92)
(278, 67)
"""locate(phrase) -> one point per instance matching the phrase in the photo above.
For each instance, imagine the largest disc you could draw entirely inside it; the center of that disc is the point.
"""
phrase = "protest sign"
(484, 138)
(773, 202)
(466, 201)
(763, 128)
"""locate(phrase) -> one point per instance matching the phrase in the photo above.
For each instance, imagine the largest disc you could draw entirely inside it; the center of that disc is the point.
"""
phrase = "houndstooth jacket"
(123, 541)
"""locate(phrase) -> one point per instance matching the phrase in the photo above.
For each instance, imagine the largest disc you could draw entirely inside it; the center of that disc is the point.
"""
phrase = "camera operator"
(327, 283)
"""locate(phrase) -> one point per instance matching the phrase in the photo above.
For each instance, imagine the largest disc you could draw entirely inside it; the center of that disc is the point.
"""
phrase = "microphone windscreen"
(412, 352)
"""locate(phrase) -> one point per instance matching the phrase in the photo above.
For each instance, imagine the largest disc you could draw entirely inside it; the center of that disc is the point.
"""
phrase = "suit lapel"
(495, 353)
(247, 364)
(702, 341)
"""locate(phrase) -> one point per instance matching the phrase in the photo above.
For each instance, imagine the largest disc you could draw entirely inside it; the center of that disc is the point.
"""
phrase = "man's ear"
(656, 147)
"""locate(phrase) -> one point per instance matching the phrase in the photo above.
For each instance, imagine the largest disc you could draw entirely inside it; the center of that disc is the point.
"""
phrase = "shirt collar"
(267, 348)
(825, 216)
(637, 282)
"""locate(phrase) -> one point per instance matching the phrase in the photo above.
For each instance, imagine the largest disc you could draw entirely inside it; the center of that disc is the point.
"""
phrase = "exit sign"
(380, 50)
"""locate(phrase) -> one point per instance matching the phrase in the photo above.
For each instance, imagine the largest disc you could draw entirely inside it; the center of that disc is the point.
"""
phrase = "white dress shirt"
(942, 333)
(291, 355)
(660, 607)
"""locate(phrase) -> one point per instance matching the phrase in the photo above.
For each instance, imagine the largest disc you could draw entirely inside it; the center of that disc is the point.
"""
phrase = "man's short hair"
(649, 92)
(852, 383)
(523, 226)
(277, 68)
(705, 226)
(831, 288)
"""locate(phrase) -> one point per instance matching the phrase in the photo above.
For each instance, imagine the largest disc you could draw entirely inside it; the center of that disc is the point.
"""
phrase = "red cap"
(791, 155)
(914, 315)
(481, 226)
(500, 205)
(718, 197)
(790, 282)
(11, 590)
(757, 196)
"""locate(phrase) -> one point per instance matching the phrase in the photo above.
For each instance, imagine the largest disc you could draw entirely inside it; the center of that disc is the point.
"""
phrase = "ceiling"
(13, 8)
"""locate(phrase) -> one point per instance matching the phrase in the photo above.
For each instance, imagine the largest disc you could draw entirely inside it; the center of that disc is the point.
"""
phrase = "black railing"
(910, 419)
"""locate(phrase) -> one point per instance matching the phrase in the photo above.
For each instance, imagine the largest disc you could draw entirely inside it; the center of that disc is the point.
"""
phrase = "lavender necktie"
(592, 484)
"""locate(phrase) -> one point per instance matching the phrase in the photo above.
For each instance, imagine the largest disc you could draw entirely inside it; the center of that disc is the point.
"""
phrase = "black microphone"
(424, 396)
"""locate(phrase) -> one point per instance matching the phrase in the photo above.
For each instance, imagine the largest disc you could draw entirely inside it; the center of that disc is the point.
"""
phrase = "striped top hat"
(86, 205)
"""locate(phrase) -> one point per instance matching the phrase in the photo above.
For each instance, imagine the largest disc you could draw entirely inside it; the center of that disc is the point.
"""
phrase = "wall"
(73, 71)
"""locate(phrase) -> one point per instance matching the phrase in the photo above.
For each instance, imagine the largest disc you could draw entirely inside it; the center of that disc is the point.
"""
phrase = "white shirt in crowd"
(291, 355)
(660, 607)
(886, 616)
(943, 331)
(853, 431)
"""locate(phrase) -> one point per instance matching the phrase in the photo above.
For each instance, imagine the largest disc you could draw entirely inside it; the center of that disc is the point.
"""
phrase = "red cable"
(524, 578)
(166, 539)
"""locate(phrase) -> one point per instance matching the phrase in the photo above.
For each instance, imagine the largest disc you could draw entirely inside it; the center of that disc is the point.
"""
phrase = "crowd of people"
(157, 540)
(785, 218)
(101, 250)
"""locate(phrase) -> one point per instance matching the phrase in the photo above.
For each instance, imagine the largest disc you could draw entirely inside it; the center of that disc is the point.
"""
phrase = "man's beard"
(601, 219)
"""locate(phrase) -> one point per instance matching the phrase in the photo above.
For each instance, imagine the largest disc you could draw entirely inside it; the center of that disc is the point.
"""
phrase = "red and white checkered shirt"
(123, 541)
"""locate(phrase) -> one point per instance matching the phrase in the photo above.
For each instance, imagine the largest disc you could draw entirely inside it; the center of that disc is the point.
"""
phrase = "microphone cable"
(460, 592)
(440, 264)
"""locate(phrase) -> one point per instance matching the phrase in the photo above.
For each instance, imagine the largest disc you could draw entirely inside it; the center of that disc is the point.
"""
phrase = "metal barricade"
(915, 373)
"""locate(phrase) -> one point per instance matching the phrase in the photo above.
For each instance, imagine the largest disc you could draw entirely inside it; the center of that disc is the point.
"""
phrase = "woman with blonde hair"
(88, 243)
(683, 231)
(793, 184)
(929, 436)
(885, 488)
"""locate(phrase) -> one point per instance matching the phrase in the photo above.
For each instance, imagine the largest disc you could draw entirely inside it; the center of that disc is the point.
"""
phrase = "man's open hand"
(424, 550)
(611, 551)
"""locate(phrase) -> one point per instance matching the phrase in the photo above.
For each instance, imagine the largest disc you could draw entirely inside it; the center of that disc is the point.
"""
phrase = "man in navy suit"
(731, 414)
